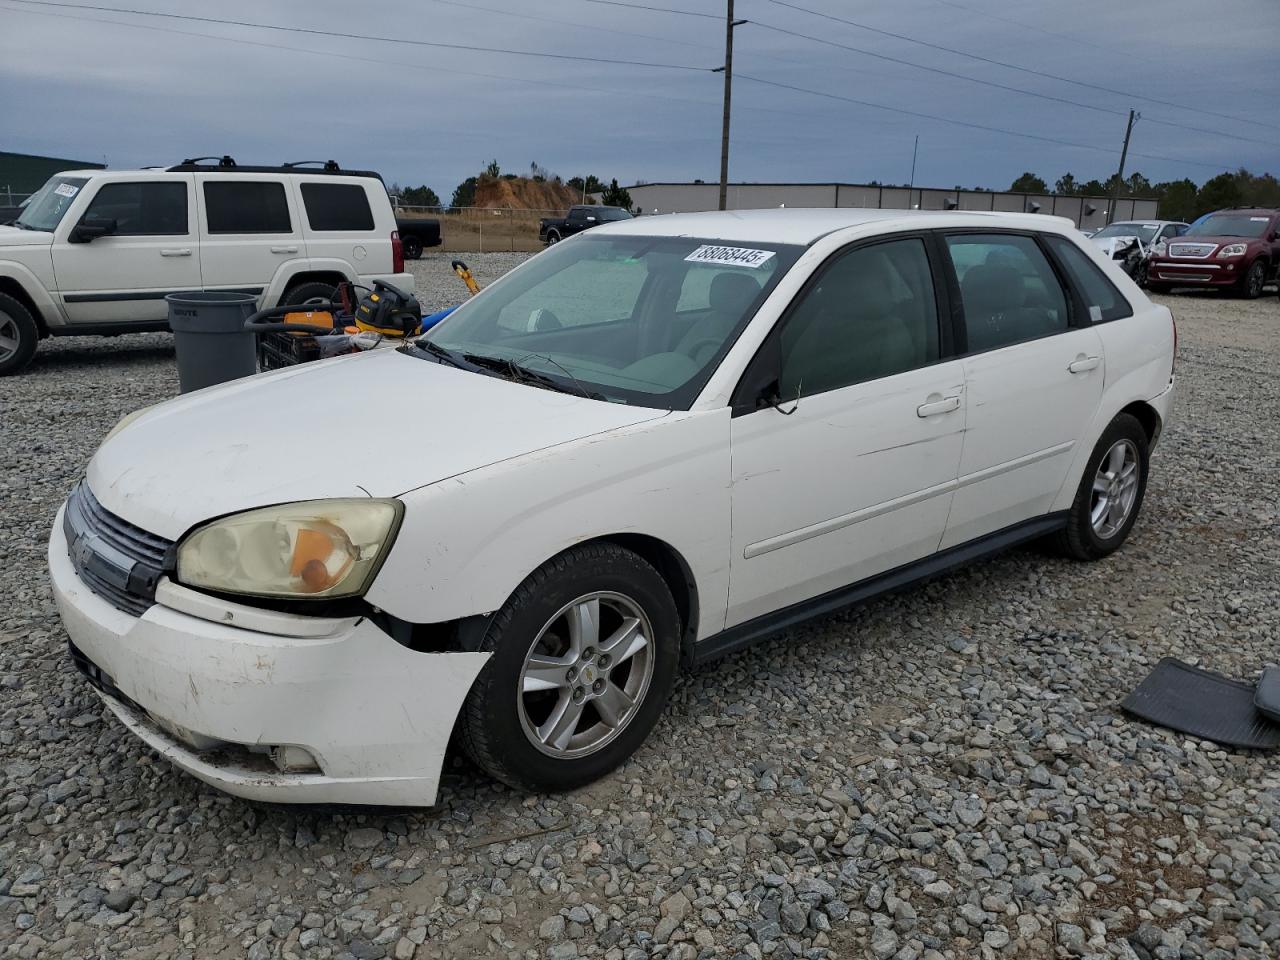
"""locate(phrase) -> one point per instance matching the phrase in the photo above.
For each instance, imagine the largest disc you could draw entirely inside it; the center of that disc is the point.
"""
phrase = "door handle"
(284, 249)
(176, 252)
(932, 408)
(1083, 364)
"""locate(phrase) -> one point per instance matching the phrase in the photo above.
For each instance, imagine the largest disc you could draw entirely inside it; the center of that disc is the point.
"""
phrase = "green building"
(23, 173)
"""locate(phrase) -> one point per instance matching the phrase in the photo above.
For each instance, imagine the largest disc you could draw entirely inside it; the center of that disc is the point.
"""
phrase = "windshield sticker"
(66, 190)
(732, 256)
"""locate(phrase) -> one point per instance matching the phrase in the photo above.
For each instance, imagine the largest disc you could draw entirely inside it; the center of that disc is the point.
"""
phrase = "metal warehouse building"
(1086, 212)
(23, 173)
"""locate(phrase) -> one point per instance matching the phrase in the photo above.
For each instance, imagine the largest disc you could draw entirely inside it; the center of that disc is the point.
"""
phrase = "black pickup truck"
(417, 233)
(582, 217)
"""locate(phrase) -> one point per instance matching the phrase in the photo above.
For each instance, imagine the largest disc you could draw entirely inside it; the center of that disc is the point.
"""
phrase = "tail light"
(397, 253)
(1174, 362)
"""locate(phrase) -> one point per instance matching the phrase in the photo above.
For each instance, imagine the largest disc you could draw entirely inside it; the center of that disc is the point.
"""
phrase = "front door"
(1033, 382)
(851, 473)
(152, 251)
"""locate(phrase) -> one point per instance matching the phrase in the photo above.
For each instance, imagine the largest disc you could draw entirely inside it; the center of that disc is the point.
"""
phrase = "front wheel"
(1110, 493)
(1254, 280)
(18, 335)
(584, 655)
(553, 236)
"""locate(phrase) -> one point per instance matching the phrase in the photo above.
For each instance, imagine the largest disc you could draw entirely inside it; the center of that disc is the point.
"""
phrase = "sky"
(133, 90)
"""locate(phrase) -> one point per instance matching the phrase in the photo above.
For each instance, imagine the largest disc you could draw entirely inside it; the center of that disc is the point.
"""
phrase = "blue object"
(431, 319)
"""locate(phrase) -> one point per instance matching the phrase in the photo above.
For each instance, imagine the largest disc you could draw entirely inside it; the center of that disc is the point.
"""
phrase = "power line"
(473, 48)
(467, 5)
(645, 6)
(1001, 86)
(1013, 66)
(966, 123)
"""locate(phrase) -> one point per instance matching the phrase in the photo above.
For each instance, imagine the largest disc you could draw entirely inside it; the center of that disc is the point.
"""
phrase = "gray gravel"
(940, 774)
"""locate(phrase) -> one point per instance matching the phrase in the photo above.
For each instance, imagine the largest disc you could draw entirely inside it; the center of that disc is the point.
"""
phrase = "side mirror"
(91, 229)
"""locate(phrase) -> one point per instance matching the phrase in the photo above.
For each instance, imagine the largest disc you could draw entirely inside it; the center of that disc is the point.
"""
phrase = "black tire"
(412, 248)
(19, 335)
(303, 292)
(1141, 276)
(1157, 287)
(1255, 279)
(553, 236)
(490, 726)
(1079, 540)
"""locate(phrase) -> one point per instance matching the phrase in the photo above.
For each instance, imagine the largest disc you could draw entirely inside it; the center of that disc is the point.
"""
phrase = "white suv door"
(151, 250)
(1034, 379)
(341, 223)
(249, 227)
(851, 474)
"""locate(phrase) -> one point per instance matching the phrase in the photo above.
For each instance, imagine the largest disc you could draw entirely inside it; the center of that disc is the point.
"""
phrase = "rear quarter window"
(1102, 300)
(337, 206)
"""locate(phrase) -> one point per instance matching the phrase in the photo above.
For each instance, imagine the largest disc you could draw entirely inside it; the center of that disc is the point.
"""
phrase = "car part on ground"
(1203, 704)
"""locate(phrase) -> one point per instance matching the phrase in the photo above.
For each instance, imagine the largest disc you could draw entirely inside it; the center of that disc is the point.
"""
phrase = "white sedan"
(649, 445)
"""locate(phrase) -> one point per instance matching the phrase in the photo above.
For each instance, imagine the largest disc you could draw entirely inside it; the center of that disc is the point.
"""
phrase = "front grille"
(1199, 250)
(1185, 276)
(118, 561)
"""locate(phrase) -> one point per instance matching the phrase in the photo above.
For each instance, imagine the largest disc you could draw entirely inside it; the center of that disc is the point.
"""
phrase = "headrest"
(732, 292)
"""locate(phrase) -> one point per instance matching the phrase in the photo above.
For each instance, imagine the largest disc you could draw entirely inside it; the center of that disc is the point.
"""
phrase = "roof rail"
(330, 165)
(228, 166)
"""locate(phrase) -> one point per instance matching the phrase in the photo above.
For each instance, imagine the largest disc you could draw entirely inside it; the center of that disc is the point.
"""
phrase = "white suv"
(96, 251)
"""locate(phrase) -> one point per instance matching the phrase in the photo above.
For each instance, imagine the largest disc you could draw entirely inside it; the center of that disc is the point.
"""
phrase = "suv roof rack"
(227, 164)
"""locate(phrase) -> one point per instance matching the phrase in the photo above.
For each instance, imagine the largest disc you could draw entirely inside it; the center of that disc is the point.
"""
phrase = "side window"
(1102, 300)
(872, 313)
(246, 206)
(1009, 291)
(569, 298)
(142, 209)
(337, 206)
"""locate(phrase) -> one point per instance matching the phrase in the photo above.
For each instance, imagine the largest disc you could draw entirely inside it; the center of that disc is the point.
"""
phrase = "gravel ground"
(940, 774)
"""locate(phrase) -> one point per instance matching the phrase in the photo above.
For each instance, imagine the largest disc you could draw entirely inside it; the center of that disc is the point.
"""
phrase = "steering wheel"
(693, 350)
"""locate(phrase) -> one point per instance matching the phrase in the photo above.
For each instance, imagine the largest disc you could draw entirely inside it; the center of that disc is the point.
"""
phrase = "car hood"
(17, 237)
(377, 424)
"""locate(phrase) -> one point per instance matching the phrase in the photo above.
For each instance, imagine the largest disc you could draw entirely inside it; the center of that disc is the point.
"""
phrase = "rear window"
(1102, 299)
(246, 206)
(337, 206)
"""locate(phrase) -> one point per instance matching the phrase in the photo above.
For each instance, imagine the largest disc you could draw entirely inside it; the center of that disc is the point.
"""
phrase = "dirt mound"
(521, 193)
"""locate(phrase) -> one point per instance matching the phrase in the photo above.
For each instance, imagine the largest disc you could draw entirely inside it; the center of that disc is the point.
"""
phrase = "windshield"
(612, 213)
(1146, 232)
(46, 206)
(633, 319)
(1229, 225)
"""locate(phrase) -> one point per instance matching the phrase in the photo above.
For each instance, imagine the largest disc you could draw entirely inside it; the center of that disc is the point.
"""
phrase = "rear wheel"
(584, 656)
(1110, 493)
(309, 293)
(18, 335)
(1254, 280)
(412, 248)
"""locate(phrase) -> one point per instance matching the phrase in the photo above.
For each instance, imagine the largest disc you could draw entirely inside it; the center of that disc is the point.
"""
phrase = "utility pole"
(1124, 153)
(914, 150)
(727, 70)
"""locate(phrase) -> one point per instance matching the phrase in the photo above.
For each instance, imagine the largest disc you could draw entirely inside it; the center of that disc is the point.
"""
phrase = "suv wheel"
(1110, 493)
(584, 656)
(305, 293)
(412, 248)
(18, 335)
(1254, 280)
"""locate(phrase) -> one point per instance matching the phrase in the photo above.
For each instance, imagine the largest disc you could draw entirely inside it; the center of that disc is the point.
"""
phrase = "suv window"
(154, 209)
(1009, 291)
(337, 206)
(1101, 298)
(246, 206)
(872, 313)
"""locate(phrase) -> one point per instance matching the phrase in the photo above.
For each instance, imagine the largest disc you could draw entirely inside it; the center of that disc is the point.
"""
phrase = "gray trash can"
(209, 335)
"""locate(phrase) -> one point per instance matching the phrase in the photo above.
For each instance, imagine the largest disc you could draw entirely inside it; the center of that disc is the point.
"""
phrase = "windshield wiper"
(522, 374)
(443, 353)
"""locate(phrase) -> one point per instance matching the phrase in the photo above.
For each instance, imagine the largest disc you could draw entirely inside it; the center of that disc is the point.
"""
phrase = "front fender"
(50, 309)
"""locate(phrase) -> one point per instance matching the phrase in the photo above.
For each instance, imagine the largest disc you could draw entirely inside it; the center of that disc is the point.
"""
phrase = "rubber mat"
(1207, 705)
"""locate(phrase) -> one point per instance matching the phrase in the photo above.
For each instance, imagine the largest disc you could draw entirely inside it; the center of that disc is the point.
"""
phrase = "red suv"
(1238, 249)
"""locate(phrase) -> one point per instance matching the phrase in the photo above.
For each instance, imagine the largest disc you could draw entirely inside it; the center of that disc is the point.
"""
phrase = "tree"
(1092, 188)
(1221, 191)
(591, 185)
(422, 196)
(616, 196)
(492, 169)
(1029, 183)
(1177, 199)
(464, 194)
(1066, 185)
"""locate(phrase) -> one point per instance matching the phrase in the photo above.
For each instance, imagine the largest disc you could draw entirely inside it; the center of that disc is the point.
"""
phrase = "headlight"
(127, 419)
(1232, 250)
(1159, 249)
(317, 548)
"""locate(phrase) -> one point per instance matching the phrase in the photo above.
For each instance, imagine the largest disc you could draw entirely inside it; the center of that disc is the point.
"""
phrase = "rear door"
(123, 277)
(249, 227)
(1033, 373)
(340, 218)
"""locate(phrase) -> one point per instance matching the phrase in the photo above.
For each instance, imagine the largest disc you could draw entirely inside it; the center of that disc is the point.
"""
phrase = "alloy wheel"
(1115, 488)
(10, 339)
(586, 675)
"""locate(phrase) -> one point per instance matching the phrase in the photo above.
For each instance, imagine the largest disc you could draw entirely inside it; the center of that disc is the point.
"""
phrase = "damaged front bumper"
(347, 716)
